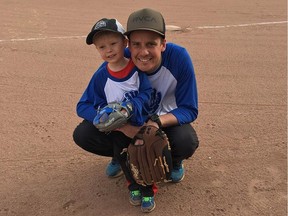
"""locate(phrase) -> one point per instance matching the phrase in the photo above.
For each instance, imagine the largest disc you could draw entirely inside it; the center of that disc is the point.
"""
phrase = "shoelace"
(147, 199)
(135, 193)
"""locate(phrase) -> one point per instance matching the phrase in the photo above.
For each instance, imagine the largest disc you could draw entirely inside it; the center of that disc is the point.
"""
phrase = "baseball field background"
(239, 51)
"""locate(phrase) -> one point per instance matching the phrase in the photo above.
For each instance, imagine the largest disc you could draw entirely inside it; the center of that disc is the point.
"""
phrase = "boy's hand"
(112, 116)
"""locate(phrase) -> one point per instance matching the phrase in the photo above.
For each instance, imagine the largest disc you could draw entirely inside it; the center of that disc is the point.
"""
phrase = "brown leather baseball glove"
(149, 156)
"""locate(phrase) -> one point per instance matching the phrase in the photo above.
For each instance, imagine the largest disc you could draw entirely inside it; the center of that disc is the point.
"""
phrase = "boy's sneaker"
(178, 172)
(113, 169)
(135, 197)
(148, 204)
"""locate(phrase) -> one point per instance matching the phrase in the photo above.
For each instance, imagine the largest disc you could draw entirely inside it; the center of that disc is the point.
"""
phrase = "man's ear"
(163, 45)
(125, 42)
(128, 43)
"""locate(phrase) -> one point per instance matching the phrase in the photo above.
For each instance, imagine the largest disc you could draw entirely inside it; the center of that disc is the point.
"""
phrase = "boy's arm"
(140, 114)
(91, 99)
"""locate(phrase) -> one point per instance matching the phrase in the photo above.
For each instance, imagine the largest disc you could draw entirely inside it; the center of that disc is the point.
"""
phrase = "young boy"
(116, 80)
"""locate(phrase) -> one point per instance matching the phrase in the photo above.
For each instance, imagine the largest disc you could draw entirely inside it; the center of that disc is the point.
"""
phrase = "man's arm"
(166, 121)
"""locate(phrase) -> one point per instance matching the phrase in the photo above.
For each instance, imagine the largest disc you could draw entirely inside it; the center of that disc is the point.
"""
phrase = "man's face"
(146, 48)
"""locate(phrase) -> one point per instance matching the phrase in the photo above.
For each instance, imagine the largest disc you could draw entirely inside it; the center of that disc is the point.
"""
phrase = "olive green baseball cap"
(146, 19)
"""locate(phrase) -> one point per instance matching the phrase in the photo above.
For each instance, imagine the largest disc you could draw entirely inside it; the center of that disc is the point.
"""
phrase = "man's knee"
(194, 145)
(76, 136)
(189, 144)
(81, 134)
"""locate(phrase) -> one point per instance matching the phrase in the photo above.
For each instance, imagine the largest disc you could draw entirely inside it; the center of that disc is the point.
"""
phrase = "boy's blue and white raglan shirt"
(174, 85)
(107, 87)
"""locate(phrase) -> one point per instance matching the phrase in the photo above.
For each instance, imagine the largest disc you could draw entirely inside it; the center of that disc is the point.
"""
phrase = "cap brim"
(146, 29)
(89, 39)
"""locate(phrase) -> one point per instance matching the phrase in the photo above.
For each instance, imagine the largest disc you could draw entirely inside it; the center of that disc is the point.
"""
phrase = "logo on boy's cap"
(100, 24)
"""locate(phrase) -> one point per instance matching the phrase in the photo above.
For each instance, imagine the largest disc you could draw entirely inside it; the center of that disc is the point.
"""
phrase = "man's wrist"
(155, 118)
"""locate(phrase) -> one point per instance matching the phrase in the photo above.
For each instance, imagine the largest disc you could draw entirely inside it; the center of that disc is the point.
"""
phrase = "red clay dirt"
(240, 167)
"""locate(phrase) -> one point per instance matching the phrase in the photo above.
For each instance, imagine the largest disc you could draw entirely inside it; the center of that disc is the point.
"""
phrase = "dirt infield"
(239, 51)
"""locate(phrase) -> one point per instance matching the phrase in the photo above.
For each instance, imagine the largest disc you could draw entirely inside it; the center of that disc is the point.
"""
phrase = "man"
(174, 101)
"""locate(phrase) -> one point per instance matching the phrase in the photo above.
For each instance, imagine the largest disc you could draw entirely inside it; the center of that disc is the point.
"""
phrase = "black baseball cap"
(146, 19)
(105, 25)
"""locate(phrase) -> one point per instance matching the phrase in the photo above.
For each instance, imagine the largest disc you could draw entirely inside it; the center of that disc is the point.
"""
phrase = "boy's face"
(110, 46)
(146, 48)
